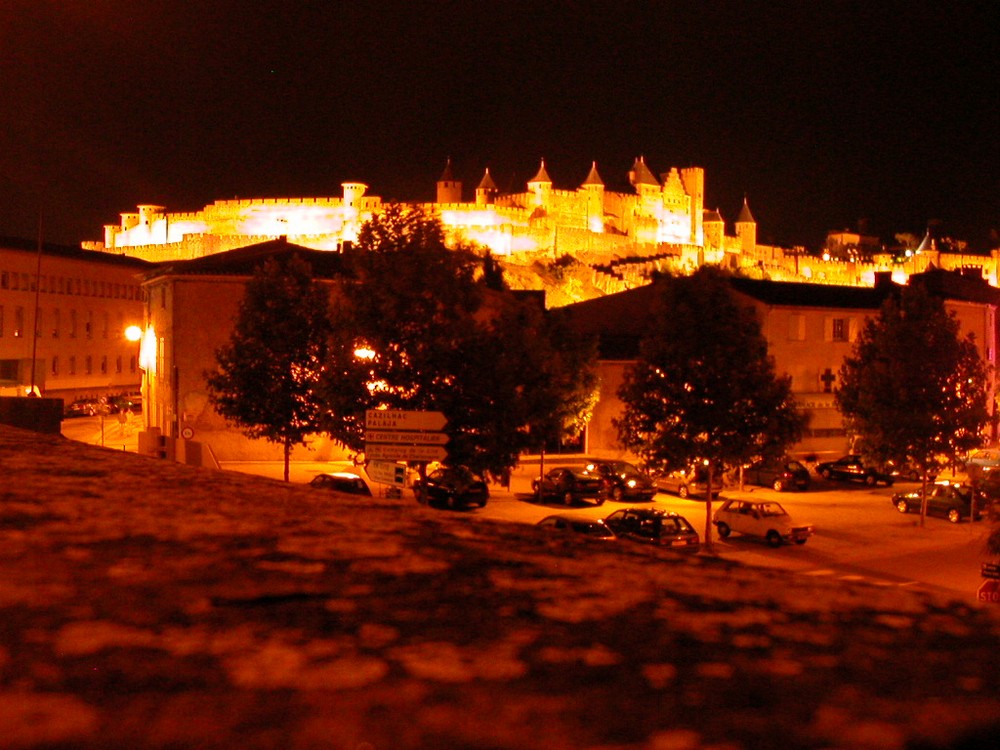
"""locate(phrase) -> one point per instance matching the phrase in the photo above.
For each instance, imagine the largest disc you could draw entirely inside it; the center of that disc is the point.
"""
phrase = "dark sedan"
(570, 485)
(951, 501)
(654, 526)
(592, 527)
(342, 481)
(452, 487)
(623, 481)
(852, 467)
(783, 474)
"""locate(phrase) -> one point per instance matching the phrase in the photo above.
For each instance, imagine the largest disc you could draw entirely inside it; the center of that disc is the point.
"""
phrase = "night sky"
(823, 113)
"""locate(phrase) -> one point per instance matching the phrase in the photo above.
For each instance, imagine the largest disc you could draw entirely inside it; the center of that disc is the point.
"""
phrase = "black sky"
(823, 113)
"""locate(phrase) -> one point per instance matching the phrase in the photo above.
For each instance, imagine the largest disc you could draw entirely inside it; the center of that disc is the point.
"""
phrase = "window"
(104, 364)
(8, 370)
(55, 364)
(89, 327)
(88, 365)
(72, 365)
(4, 280)
(839, 329)
(18, 322)
(56, 316)
(38, 323)
(118, 364)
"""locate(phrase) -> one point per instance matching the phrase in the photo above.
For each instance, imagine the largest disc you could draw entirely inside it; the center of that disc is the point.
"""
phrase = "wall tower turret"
(449, 190)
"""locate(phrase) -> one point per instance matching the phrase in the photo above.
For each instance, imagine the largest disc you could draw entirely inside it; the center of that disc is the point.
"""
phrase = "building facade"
(190, 310)
(809, 329)
(63, 316)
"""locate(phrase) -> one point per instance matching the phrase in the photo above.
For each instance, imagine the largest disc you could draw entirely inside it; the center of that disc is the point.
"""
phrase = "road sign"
(989, 591)
(405, 438)
(388, 419)
(991, 570)
(386, 472)
(395, 452)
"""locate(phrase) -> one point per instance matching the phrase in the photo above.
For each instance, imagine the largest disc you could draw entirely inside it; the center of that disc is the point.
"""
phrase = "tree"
(269, 371)
(913, 389)
(704, 389)
(424, 326)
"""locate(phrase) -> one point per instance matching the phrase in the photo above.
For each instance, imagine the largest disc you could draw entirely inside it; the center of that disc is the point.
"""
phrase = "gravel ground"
(145, 604)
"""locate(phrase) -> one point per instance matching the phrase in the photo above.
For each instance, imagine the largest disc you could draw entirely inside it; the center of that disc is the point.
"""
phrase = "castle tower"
(746, 229)
(353, 193)
(486, 191)
(714, 228)
(541, 186)
(449, 190)
(693, 179)
(593, 188)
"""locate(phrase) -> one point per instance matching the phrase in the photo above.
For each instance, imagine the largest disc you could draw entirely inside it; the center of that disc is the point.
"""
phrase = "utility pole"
(35, 332)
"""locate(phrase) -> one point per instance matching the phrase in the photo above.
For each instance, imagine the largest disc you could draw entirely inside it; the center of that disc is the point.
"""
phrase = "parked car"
(947, 500)
(688, 482)
(592, 527)
(767, 520)
(655, 526)
(623, 481)
(342, 481)
(852, 467)
(569, 485)
(781, 474)
(84, 407)
(452, 487)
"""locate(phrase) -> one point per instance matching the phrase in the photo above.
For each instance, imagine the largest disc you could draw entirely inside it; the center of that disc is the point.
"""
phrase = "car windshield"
(772, 509)
(795, 466)
(676, 525)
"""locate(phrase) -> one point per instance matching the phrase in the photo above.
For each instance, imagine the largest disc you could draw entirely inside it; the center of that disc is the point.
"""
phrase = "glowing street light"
(133, 333)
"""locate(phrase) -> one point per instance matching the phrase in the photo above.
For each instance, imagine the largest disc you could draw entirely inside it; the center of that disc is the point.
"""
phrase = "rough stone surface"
(145, 604)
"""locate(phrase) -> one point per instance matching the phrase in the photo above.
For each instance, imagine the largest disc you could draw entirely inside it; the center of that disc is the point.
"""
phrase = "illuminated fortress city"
(577, 243)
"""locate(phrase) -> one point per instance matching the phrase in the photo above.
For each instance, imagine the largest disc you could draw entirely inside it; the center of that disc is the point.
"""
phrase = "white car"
(767, 520)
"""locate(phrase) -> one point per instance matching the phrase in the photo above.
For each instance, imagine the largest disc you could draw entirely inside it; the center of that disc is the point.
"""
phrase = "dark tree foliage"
(704, 389)
(441, 334)
(913, 389)
(269, 371)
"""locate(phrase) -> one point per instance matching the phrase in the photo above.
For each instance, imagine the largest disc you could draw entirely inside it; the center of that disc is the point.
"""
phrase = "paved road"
(859, 535)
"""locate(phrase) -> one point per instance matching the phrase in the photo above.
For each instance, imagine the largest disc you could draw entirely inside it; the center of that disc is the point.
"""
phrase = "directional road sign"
(388, 419)
(395, 452)
(386, 472)
(405, 438)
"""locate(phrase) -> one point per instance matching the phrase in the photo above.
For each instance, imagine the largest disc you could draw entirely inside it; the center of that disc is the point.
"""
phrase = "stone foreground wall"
(146, 604)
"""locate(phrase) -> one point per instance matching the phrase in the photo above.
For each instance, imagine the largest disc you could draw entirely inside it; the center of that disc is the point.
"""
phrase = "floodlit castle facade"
(661, 217)
(659, 223)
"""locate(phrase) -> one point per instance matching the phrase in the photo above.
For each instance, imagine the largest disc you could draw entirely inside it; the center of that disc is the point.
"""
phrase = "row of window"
(9, 367)
(88, 365)
(74, 323)
(25, 282)
(834, 329)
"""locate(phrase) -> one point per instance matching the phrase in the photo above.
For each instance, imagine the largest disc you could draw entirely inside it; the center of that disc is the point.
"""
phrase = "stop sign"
(989, 591)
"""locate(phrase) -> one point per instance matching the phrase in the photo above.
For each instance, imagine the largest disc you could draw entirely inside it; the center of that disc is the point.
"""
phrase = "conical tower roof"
(542, 175)
(641, 175)
(712, 214)
(745, 216)
(592, 177)
(446, 175)
(487, 182)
